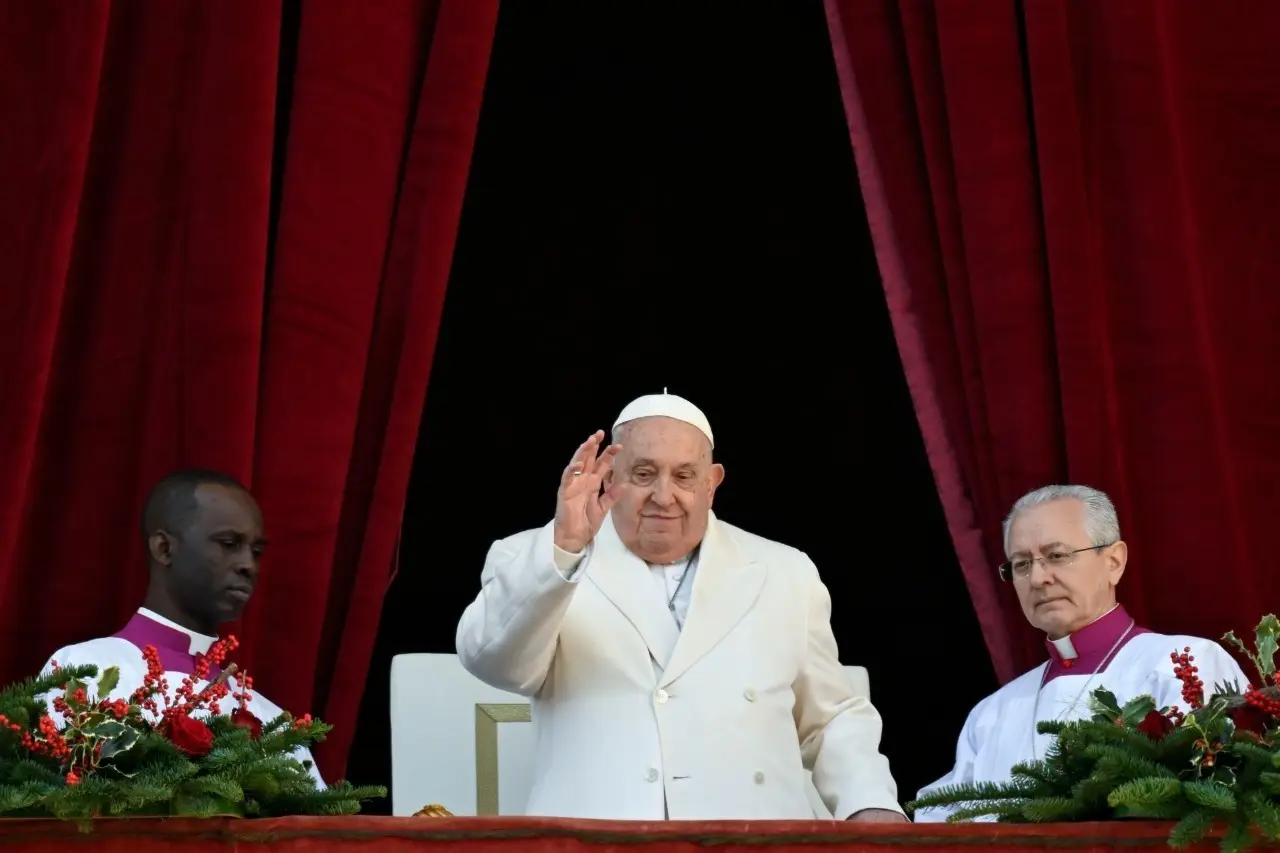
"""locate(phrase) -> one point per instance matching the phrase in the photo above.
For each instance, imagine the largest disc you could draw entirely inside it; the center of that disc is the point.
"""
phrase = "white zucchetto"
(666, 406)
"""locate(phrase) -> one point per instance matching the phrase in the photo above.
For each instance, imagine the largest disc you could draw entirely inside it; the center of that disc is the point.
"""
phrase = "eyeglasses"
(1020, 567)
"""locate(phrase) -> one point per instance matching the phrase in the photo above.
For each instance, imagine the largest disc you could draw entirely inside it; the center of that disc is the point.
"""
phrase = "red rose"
(191, 736)
(1249, 718)
(1155, 725)
(244, 717)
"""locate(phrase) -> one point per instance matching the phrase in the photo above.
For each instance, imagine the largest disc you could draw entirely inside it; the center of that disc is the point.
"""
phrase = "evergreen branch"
(1238, 837)
(950, 795)
(1130, 740)
(111, 759)
(1126, 763)
(1210, 795)
(1053, 810)
(1000, 809)
(1122, 765)
(1263, 814)
(39, 685)
(1192, 828)
(151, 776)
(1037, 772)
(1142, 796)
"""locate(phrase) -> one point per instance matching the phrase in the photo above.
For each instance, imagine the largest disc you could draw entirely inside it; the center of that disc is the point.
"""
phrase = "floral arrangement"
(150, 755)
(1216, 762)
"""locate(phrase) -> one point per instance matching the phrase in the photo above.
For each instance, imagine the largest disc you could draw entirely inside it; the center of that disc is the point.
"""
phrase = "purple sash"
(173, 646)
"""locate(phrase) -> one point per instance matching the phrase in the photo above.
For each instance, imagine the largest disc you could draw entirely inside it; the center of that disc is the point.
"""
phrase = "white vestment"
(637, 719)
(1000, 731)
(673, 584)
(114, 651)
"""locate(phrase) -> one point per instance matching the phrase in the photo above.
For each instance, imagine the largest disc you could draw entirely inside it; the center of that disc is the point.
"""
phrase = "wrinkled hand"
(580, 504)
(878, 816)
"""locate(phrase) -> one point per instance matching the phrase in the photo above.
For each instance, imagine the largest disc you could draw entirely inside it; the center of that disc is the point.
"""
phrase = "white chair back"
(458, 742)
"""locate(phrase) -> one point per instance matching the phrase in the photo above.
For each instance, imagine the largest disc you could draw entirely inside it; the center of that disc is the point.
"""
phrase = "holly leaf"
(1103, 701)
(123, 741)
(1267, 640)
(110, 678)
(1213, 712)
(82, 753)
(116, 771)
(109, 729)
(92, 720)
(1228, 730)
(1136, 709)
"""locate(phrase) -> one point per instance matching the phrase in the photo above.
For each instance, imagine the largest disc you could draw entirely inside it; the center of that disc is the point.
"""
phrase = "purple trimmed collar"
(1095, 645)
(173, 645)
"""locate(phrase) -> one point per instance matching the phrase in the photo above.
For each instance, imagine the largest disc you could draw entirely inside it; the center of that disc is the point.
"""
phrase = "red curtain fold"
(145, 332)
(1070, 203)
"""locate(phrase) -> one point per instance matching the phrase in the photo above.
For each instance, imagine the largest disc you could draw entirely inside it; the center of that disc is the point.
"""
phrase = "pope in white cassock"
(204, 540)
(1065, 558)
(678, 666)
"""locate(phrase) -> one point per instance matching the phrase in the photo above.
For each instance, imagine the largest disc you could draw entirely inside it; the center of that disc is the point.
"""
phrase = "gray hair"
(1101, 524)
(620, 432)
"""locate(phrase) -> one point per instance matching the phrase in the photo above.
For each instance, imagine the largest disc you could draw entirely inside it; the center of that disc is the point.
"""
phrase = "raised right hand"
(580, 504)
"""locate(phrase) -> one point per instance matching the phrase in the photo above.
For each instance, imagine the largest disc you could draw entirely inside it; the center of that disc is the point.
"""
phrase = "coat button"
(661, 696)
(749, 694)
(759, 777)
(651, 775)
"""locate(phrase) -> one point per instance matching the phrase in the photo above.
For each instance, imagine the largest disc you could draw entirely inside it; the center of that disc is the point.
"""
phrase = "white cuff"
(568, 564)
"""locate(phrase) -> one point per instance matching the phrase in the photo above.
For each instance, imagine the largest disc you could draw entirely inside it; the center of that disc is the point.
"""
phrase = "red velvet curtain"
(1072, 203)
(159, 312)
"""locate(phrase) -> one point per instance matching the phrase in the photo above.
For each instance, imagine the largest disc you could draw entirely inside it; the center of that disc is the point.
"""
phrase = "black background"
(663, 194)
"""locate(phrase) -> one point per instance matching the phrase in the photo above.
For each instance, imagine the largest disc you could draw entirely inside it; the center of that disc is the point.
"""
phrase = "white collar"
(200, 644)
(1066, 648)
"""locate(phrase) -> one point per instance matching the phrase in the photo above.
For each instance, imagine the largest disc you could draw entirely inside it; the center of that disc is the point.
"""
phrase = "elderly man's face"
(1060, 601)
(670, 482)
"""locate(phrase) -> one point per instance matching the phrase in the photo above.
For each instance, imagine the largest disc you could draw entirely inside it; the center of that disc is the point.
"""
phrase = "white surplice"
(106, 652)
(1000, 731)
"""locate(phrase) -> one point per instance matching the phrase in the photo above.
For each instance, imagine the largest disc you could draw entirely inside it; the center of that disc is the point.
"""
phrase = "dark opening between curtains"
(667, 198)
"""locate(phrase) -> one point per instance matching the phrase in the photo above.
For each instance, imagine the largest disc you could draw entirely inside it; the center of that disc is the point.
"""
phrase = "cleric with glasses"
(1058, 557)
(1065, 559)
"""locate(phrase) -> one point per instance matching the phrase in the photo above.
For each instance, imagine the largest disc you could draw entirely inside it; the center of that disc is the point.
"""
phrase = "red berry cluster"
(1210, 752)
(52, 744)
(1185, 670)
(152, 683)
(1264, 701)
(153, 696)
(76, 710)
(187, 699)
(304, 720)
(48, 741)
(243, 696)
